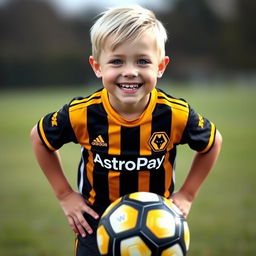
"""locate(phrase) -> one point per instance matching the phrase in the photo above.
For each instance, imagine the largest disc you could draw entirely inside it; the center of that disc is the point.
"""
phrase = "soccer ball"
(143, 224)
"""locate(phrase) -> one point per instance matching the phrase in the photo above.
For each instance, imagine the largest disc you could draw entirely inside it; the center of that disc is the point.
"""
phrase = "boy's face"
(130, 71)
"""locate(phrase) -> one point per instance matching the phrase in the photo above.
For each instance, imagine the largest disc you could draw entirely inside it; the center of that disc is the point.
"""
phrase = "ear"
(95, 66)
(162, 66)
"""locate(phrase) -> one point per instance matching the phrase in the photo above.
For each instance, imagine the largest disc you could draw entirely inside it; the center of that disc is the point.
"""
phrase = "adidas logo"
(99, 142)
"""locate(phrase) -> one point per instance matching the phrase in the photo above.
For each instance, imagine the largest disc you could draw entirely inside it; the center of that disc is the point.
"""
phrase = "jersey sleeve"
(199, 133)
(55, 129)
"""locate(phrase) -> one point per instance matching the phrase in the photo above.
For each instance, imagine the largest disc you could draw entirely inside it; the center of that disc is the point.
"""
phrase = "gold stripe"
(179, 121)
(114, 185)
(144, 180)
(145, 133)
(41, 129)
(76, 244)
(91, 199)
(78, 120)
(168, 175)
(89, 172)
(114, 138)
(211, 140)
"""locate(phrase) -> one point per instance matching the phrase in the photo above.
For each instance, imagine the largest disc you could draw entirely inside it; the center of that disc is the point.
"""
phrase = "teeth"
(129, 86)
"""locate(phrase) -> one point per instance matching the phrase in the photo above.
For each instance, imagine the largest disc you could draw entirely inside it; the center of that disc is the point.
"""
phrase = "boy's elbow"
(218, 139)
(34, 134)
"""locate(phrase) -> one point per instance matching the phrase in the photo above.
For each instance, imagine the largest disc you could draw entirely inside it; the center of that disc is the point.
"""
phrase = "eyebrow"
(123, 55)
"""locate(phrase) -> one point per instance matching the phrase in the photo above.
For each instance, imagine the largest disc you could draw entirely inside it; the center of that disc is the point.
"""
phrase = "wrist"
(189, 195)
(63, 193)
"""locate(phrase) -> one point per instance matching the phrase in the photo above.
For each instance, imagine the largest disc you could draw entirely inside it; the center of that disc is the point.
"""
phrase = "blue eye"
(143, 61)
(116, 62)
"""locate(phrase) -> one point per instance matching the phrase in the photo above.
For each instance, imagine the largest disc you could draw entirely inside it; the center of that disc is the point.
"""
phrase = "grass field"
(222, 220)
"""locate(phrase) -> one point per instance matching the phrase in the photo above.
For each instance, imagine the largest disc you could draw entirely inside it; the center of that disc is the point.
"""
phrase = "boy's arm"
(71, 202)
(200, 168)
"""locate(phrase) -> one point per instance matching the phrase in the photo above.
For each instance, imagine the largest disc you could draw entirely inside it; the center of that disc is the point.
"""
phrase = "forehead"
(146, 42)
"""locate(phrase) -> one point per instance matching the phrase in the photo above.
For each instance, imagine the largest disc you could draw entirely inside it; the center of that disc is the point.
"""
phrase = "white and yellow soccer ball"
(143, 224)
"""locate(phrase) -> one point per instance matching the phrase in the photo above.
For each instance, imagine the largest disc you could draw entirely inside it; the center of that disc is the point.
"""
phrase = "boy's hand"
(74, 206)
(182, 201)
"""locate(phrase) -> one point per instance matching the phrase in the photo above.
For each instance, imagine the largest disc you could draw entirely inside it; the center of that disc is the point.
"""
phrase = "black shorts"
(87, 246)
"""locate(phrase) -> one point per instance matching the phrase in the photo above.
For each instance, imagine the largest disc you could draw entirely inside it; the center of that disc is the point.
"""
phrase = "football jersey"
(120, 156)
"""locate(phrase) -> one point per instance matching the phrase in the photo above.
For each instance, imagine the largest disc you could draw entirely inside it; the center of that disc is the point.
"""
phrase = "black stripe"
(172, 157)
(161, 122)
(162, 119)
(100, 184)
(130, 146)
(157, 181)
(130, 140)
(97, 125)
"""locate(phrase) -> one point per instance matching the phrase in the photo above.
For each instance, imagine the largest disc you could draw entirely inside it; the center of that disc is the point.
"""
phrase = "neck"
(130, 111)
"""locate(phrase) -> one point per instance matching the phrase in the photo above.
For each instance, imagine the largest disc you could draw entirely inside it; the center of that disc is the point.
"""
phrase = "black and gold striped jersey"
(120, 156)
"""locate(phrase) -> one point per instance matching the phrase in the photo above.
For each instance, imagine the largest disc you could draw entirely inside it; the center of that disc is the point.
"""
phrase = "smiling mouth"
(130, 86)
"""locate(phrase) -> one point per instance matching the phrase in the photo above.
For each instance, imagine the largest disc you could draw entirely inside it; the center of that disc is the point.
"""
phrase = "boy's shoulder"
(81, 101)
(165, 98)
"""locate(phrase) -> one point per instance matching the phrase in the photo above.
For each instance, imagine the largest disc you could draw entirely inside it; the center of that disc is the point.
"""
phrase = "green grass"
(222, 219)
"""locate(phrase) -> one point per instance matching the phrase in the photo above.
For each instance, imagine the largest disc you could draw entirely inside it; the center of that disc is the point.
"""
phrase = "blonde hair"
(125, 23)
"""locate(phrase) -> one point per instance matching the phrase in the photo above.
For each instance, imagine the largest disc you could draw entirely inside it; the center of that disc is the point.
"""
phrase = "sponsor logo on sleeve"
(200, 121)
(54, 121)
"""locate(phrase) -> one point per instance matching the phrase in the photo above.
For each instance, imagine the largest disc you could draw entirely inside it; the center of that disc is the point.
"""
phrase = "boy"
(128, 130)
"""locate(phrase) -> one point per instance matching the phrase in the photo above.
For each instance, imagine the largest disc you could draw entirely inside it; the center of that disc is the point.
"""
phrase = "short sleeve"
(199, 133)
(55, 129)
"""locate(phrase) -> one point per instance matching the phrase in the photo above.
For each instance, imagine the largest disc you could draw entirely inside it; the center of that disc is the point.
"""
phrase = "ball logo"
(159, 141)
(119, 219)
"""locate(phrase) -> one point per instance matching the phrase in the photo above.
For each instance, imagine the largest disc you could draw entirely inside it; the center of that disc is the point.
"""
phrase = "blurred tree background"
(208, 39)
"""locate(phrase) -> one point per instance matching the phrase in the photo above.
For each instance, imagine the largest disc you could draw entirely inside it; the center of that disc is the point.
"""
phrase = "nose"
(130, 71)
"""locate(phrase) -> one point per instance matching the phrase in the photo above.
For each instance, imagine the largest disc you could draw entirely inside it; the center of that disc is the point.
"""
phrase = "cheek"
(151, 76)
(109, 74)
(108, 79)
